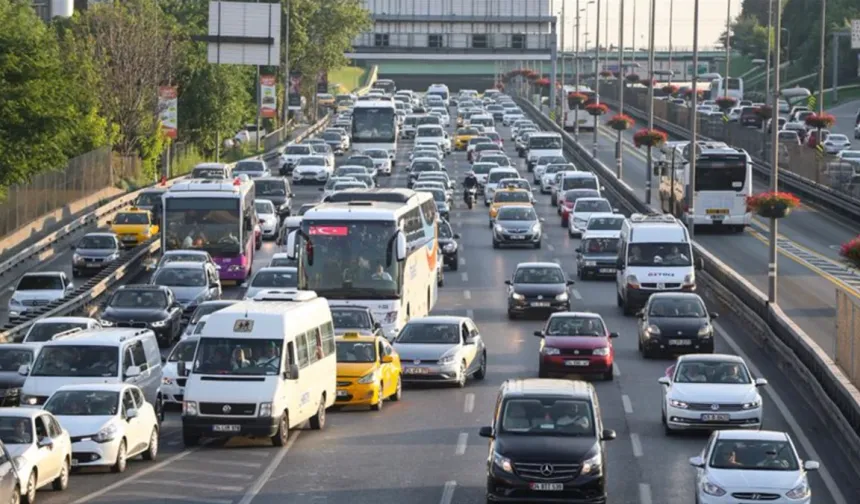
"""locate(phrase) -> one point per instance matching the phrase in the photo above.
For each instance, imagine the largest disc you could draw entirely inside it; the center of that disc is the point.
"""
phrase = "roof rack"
(63, 334)
(653, 218)
(285, 295)
(134, 334)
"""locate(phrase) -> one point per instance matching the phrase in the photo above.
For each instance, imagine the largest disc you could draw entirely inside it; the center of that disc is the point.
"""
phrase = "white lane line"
(799, 434)
(645, 493)
(173, 443)
(467, 294)
(448, 492)
(462, 440)
(210, 473)
(462, 260)
(615, 369)
(550, 247)
(470, 403)
(576, 294)
(470, 313)
(232, 463)
(465, 277)
(168, 497)
(264, 477)
(628, 406)
(636, 443)
(220, 488)
(134, 477)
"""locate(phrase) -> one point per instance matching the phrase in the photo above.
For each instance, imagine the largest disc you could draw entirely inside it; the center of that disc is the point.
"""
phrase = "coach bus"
(378, 250)
(217, 216)
(374, 126)
(586, 122)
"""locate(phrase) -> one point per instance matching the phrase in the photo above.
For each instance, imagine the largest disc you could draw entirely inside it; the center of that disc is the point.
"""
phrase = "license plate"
(416, 370)
(576, 363)
(94, 265)
(129, 238)
(342, 393)
(607, 270)
(711, 417)
(518, 237)
(226, 428)
(547, 487)
(540, 304)
(718, 217)
(680, 342)
(75, 462)
(717, 211)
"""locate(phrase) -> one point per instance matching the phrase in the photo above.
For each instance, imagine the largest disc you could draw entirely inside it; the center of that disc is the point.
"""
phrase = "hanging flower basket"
(670, 89)
(542, 82)
(632, 78)
(850, 250)
(606, 74)
(621, 122)
(764, 112)
(820, 121)
(597, 109)
(649, 138)
(576, 100)
(531, 75)
(689, 93)
(772, 205)
(500, 86)
(726, 103)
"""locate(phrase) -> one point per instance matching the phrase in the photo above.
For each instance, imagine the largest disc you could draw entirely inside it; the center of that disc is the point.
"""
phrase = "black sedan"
(597, 254)
(538, 287)
(675, 323)
(448, 243)
(145, 306)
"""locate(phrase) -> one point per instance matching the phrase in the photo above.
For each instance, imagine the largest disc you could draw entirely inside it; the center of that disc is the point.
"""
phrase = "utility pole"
(671, 23)
(774, 167)
(769, 59)
(576, 76)
(619, 156)
(286, 110)
(648, 175)
(596, 77)
(694, 127)
(728, 45)
(821, 59)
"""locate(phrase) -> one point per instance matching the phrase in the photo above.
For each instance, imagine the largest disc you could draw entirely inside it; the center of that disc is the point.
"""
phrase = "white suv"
(37, 289)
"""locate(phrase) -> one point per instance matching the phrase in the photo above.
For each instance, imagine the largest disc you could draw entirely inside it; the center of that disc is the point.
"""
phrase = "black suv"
(547, 443)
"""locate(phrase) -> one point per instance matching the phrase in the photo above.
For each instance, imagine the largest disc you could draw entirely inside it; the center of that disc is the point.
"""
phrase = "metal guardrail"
(829, 387)
(128, 266)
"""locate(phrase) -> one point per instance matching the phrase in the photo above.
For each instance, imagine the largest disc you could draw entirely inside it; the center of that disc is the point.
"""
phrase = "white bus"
(376, 248)
(374, 126)
(718, 90)
(440, 90)
(571, 116)
(723, 183)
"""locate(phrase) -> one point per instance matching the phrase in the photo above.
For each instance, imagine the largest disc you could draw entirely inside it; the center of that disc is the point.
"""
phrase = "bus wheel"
(318, 421)
(282, 436)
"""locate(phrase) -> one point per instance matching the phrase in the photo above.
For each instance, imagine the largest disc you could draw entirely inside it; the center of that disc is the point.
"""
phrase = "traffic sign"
(855, 34)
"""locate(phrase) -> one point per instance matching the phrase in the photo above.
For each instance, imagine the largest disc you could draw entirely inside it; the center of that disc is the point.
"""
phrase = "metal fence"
(848, 334)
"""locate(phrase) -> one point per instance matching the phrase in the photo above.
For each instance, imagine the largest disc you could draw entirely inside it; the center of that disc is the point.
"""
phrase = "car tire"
(511, 315)
(609, 375)
(463, 378)
(398, 391)
(481, 373)
(151, 452)
(542, 372)
(495, 244)
(16, 495)
(317, 422)
(62, 481)
(381, 401)
(456, 264)
(283, 434)
(539, 244)
(618, 300)
(666, 429)
(121, 463)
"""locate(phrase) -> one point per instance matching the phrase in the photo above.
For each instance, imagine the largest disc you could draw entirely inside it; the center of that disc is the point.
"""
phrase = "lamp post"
(596, 76)
(774, 168)
(694, 127)
(633, 40)
(821, 59)
(728, 45)
(769, 58)
(649, 173)
(671, 23)
(576, 69)
(619, 157)
(606, 36)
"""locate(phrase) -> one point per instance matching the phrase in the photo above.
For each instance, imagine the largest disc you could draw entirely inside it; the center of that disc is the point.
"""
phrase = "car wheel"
(666, 429)
(318, 421)
(495, 244)
(455, 264)
(609, 375)
(282, 436)
(121, 459)
(16, 496)
(461, 377)
(538, 244)
(380, 401)
(62, 481)
(481, 373)
(398, 390)
(151, 452)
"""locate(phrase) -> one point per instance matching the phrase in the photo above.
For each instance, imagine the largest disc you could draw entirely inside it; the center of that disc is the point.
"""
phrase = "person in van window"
(269, 357)
(239, 360)
(105, 363)
(22, 432)
(381, 274)
(635, 255)
(675, 256)
(568, 417)
(732, 374)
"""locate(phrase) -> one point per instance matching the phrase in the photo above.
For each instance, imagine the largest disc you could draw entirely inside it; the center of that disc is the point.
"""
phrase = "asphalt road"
(426, 450)
(846, 115)
(809, 266)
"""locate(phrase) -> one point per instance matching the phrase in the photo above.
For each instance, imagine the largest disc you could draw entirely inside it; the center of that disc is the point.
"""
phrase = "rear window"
(579, 183)
(499, 175)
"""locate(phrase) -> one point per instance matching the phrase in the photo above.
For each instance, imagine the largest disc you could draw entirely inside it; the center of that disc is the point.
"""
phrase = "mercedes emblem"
(416, 362)
(715, 407)
(546, 470)
(226, 409)
(680, 333)
(540, 297)
(576, 352)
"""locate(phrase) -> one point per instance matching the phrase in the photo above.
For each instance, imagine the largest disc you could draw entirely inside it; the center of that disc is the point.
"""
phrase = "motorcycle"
(470, 196)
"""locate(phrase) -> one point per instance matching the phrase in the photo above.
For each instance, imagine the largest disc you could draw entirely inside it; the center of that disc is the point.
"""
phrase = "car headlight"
(450, 247)
(591, 263)
(562, 297)
(108, 433)
(503, 463)
(265, 409)
(652, 329)
(593, 466)
(752, 405)
(29, 400)
(689, 280)
(189, 408)
(499, 229)
(712, 489)
(801, 491)
(77, 259)
(105, 323)
(536, 228)
(600, 351)
(371, 377)
(160, 323)
(518, 297)
(678, 404)
(15, 302)
(705, 331)
(112, 257)
(447, 359)
(166, 380)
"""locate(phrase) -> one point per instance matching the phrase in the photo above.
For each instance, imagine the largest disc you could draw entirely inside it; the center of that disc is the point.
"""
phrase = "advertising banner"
(322, 82)
(167, 110)
(268, 96)
(295, 91)
(855, 34)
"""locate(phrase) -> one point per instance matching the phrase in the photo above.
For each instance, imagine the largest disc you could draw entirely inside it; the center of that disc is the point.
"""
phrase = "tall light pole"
(633, 57)
(619, 156)
(649, 173)
(728, 44)
(576, 76)
(821, 58)
(671, 23)
(769, 57)
(694, 127)
(606, 37)
(774, 166)
(563, 24)
(596, 76)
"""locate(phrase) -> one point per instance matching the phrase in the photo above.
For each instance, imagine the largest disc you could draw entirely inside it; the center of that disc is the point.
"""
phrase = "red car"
(576, 343)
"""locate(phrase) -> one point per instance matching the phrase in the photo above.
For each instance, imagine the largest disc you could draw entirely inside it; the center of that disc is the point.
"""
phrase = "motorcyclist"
(471, 182)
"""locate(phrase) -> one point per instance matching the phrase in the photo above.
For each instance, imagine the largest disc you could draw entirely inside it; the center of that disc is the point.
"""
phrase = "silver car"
(271, 277)
(192, 283)
(441, 349)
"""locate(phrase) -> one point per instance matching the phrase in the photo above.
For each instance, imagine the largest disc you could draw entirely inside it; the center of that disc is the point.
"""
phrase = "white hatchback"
(582, 210)
(40, 447)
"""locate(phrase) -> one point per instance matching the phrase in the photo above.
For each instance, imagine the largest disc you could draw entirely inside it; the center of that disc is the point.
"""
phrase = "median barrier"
(825, 385)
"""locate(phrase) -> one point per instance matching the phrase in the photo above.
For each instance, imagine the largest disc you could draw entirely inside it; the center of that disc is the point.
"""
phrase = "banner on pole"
(322, 82)
(168, 117)
(855, 34)
(268, 96)
(295, 101)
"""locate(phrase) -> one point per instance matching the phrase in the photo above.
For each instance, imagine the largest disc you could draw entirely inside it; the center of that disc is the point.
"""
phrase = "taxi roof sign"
(351, 335)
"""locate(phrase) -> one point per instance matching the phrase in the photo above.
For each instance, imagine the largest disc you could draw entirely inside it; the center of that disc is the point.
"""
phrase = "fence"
(848, 334)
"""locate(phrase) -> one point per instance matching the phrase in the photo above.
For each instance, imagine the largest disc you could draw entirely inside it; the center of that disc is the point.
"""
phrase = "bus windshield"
(373, 124)
(350, 260)
(719, 175)
(210, 224)
(238, 356)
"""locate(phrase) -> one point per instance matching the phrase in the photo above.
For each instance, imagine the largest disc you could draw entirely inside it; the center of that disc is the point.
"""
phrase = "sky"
(712, 22)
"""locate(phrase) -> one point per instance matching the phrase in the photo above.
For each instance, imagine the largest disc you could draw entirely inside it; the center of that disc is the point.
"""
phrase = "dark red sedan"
(576, 343)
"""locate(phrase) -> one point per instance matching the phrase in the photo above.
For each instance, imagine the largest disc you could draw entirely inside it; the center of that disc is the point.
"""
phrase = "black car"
(359, 160)
(675, 323)
(547, 443)
(538, 287)
(145, 306)
(94, 252)
(278, 191)
(150, 199)
(335, 141)
(597, 254)
(448, 243)
(12, 357)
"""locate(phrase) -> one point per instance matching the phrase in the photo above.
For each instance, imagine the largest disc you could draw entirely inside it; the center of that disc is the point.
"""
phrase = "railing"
(848, 334)
(454, 42)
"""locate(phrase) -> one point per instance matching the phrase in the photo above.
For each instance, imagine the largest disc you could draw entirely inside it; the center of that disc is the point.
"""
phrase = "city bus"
(217, 216)
(385, 85)
(723, 183)
(378, 250)
(718, 89)
(586, 122)
(374, 126)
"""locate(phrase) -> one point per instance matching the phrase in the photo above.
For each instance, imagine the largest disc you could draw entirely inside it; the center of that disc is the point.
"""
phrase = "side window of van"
(327, 338)
(139, 355)
(315, 349)
(302, 351)
(127, 360)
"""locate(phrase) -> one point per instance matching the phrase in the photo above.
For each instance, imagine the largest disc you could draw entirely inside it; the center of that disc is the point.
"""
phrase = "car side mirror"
(46, 442)
(619, 264)
(697, 462)
(811, 465)
(181, 369)
(714, 315)
(664, 380)
(578, 250)
(132, 413)
(132, 372)
(570, 282)
(538, 334)
(542, 219)
(292, 373)
(608, 435)
(760, 382)
(508, 282)
(456, 236)
(486, 432)
(613, 335)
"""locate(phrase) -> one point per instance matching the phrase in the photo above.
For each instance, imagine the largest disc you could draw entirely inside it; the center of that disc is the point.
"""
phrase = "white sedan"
(710, 391)
(269, 219)
(741, 465)
(836, 143)
(582, 210)
(41, 449)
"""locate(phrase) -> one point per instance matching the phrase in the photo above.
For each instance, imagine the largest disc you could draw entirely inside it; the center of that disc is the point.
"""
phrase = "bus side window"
(315, 350)
(302, 349)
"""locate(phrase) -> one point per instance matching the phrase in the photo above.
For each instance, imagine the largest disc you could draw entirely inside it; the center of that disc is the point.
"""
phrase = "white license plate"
(718, 217)
(711, 417)
(680, 342)
(416, 370)
(226, 428)
(540, 304)
(342, 393)
(607, 270)
(518, 237)
(547, 487)
(75, 462)
(576, 363)
(129, 238)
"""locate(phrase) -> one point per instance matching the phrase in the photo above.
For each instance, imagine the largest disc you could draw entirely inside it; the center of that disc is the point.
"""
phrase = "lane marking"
(576, 294)
(470, 313)
(467, 294)
(210, 473)
(220, 488)
(462, 440)
(628, 406)
(556, 260)
(448, 492)
(645, 493)
(470, 403)
(233, 463)
(462, 260)
(550, 247)
(615, 369)
(255, 489)
(168, 497)
(465, 277)
(636, 443)
(799, 434)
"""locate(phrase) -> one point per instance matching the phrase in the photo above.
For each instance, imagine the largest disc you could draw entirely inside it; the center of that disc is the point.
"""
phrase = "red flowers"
(543, 82)
(765, 112)
(726, 102)
(621, 122)
(597, 109)
(820, 121)
(689, 92)
(649, 138)
(670, 89)
(850, 250)
(774, 205)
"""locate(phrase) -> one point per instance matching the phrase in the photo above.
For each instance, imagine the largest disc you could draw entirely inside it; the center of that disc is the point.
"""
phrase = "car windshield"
(83, 403)
(16, 430)
(264, 208)
(712, 371)
(298, 150)
(850, 155)
(430, 333)
(605, 223)
(97, 242)
(13, 358)
(78, 361)
(546, 160)
(429, 132)
(499, 160)
(539, 142)
(516, 214)
(677, 307)
(331, 136)
(40, 282)
(483, 168)
(558, 168)
(493, 136)
(420, 166)
(838, 138)
(480, 140)
(487, 147)
(575, 326)
(276, 279)
(591, 206)
(346, 318)
(333, 181)
(445, 230)
(439, 195)
(148, 199)
(661, 254)
(182, 257)
(136, 218)
(238, 356)
(376, 154)
(343, 186)
(495, 177)
(547, 416)
(283, 261)
(467, 132)
(270, 188)
(576, 194)
(512, 197)
(183, 351)
(599, 246)
(250, 166)
(181, 277)
(311, 161)
(45, 331)
(206, 309)
(356, 351)
(753, 455)
(139, 299)
(539, 275)
(579, 183)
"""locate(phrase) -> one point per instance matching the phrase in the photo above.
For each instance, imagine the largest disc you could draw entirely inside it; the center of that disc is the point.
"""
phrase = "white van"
(262, 367)
(655, 254)
(440, 90)
(484, 120)
(542, 144)
(493, 179)
(112, 355)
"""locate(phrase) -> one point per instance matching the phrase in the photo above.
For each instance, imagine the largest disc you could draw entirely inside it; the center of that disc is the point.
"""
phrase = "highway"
(426, 450)
(810, 268)
(846, 116)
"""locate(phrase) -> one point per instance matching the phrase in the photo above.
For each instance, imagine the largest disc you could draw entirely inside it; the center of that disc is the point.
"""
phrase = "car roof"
(185, 252)
(576, 314)
(523, 387)
(62, 319)
(759, 435)
(101, 233)
(711, 357)
(21, 412)
(42, 273)
(283, 269)
(183, 265)
(22, 346)
(438, 319)
(106, 387)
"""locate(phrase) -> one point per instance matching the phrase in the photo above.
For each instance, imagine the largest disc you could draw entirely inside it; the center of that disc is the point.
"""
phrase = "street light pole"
(648, 175)
(728, 45)
(619, 157)
(671, 23)
(596, 76)
(774, 167)
(769, 57)
(821, 59)
(694, 127)
(633, 40)
(576, 69)
(606, 37)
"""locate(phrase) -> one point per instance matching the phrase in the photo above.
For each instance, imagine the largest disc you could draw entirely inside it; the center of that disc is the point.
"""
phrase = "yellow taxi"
(133, 226)
(508, 196)
(462, 137)
(368, 371)
(325, 100)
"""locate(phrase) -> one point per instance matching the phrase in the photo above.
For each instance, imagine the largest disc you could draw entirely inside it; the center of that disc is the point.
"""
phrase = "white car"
(734, 114)
(110, 423)
(760, 466)
(582, 210)
(281, 259)
(542, 163)
(291, 155)
(173, 385)
(312, 169)
(202, 311)
(836, 143)
(37, 289)
(710, 391)
(249, 134)
(850, 156)
(344, 186)
(382, 162)
(49, 328)
(437, 177)
(268, 216)
(857, 131)
(40, 448)
(434, 349)
(271, 278)
(550, 176)
(434, 135)
(443, 115)
(511, 115)
(605, 222)
(328, 189)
